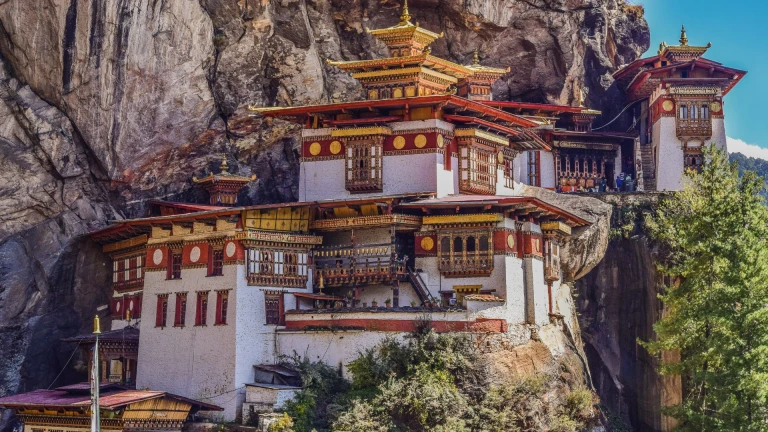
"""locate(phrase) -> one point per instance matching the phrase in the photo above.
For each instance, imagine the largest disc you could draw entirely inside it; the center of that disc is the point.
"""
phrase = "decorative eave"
(361, 131)
(463, 219)
(481, 134)
(274, 237)
(399, 221)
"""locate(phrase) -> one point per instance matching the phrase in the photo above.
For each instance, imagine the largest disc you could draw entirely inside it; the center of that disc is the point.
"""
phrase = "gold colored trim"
(556, 226)
(361, 131)
(467, 288)
(471, 132)
(124, 244)
(466, 218)
(274, 237)
(366, 222)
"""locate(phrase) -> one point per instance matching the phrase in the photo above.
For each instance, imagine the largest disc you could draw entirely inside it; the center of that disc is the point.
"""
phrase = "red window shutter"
(137, 308)
(198, 309)
(218, 307)
(281, 305)
(159, 315)
(177, 313)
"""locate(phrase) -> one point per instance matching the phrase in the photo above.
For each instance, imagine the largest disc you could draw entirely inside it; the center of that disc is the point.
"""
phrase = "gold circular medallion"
(399, 142)
(716, 106)
(668, 105)
(440, 142)
(511, 241)
(427, 243)
(420, 141)
(335, 147)
(500, 157)
(314, 148)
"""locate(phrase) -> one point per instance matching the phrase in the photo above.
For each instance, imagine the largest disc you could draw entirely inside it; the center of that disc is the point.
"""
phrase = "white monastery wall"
(540, 292)
(547, 167)
(670, 155)
(447, 180)
(515, 289)
(436, 282)
(192, 361)
(334, 348)
(322, 180)
(718, 134)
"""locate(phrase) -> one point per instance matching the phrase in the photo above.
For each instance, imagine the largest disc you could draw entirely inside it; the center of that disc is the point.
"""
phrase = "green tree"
(715, 237)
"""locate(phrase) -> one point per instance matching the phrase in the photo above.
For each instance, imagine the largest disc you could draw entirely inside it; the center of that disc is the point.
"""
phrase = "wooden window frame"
(363, 165)
(174, 265)
(534, 168)
(216, 262)
(477, 169)
(222, 307)
(274, 309)
(180, 314)
(277, 267)
(458, 261)
(201, 309)
(161, 314)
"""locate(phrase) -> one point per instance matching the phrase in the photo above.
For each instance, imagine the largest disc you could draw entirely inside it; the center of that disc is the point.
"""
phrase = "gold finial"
(683, 37)
(580, 98)
(224, 167)
(405, 16)
(321, 284)
(96, 325)
(476, 58)
(128, 315)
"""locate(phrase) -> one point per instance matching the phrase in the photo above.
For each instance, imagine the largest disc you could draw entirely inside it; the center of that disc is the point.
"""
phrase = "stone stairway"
(649, 167)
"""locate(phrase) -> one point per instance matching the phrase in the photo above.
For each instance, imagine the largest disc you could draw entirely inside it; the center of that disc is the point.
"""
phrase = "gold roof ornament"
(476, 57)
(224, 175)
(96, 325)
(683, 37)
(477, 68)
(405, 16)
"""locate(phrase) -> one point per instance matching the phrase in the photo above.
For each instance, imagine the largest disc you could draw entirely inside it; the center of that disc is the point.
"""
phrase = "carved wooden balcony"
(694, 128)
(363, 264)
(470, 265)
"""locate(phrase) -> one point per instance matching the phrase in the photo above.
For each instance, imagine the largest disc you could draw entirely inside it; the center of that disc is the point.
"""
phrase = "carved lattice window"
(128, 272)
(364, 165)
(277, 267)
(534, 168)
(693, 119)
(466, 252)
(477, 170)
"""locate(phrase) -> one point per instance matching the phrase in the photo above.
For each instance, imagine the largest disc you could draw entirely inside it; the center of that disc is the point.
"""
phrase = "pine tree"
(715, 236)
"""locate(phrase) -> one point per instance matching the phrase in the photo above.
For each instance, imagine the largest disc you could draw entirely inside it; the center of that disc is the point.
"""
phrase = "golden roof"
(426, 59)
(405, 30)
(477, 68)
(224, 175)
(682, 51)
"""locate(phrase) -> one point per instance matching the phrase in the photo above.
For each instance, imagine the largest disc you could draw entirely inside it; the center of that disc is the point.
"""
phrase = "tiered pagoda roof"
(641, 77)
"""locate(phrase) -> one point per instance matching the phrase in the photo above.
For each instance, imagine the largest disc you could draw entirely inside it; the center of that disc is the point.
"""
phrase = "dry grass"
(634, 10)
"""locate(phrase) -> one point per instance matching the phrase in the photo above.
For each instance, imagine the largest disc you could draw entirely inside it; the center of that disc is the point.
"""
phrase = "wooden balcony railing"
(469, 265)
(361, 264)
(694, 128)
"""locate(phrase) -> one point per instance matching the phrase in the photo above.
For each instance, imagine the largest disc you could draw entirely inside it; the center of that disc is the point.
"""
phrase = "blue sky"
(738, 30)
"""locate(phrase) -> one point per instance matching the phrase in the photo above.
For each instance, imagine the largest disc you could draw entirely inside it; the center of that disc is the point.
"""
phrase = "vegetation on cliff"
(715, 233)
(433, 382)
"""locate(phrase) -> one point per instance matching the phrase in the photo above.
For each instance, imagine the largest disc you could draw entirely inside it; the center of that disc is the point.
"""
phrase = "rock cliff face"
(106, 103)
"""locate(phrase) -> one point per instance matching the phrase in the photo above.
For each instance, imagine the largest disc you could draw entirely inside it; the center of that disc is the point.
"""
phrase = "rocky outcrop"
(617, 304)
(51, 279)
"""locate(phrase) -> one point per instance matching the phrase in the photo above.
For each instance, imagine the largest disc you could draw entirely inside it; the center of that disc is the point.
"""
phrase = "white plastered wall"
(198, 362)
(670, 157)
(547, 167)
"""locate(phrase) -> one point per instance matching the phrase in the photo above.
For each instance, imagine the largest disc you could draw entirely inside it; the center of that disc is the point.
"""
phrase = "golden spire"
(405, 16)
(128, 315)
(683, 37)
(476, 58)
(224, 167)
(96, 325)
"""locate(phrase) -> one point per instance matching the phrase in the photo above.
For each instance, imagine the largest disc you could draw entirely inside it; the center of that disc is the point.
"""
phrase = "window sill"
(200, 325)
(178, 326)
(220, 324)
(214, 275)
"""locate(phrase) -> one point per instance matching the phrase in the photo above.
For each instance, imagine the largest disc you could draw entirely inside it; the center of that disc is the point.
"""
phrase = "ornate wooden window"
(364, 165)
(693, 119)
(693, 158)
(551, 259)
(477, 170)
(201, 309)
(161, 314)
(277, 267)
(216, 262)
(128, 272)
(222, 304)
(181, 310)
(534, 168)
(465, 252)
(174, 265)
(273, 306)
